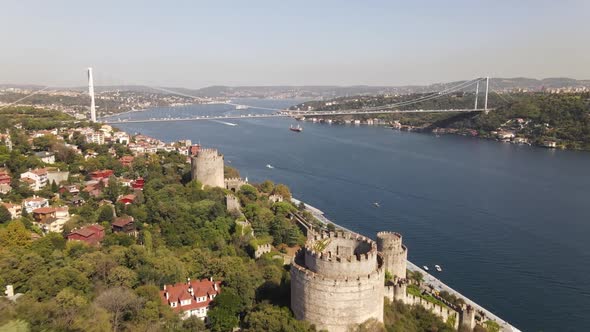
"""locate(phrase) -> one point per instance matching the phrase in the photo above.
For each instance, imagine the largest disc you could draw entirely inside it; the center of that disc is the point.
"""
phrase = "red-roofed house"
(191, 298)
(127, 199)
(15, 210)
(92, 234)
(138, 184)
(125, 225)
(102, 174)
(127, 161)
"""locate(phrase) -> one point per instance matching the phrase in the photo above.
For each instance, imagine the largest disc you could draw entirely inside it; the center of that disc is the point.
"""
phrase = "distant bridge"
(287, 113)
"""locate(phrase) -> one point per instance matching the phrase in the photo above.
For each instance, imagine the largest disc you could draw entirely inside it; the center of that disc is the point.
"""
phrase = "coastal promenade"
(428, 278)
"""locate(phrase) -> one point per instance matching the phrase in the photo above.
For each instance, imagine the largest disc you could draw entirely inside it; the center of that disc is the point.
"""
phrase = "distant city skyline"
(194, 44)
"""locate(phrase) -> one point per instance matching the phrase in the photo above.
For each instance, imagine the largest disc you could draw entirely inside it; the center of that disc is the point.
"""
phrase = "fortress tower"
(395, 254)
(337, 281)
(207, 167)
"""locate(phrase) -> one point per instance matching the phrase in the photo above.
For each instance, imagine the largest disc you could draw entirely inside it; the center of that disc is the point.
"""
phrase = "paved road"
(428, 278)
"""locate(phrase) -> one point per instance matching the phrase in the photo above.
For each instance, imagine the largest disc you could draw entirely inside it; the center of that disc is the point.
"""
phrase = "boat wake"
(226, 123)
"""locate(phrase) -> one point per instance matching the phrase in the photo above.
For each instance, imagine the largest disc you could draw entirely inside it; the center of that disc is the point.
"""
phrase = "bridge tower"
(476, 94)
(485, 107)
(91, 93)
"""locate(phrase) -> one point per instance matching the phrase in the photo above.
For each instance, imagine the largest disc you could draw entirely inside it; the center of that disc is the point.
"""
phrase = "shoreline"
(428, 278)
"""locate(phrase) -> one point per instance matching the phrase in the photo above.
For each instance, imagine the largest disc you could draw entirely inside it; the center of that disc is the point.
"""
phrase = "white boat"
(438, 268)
(376, 204)
(242, 107)
(269, 166)
(425, 268)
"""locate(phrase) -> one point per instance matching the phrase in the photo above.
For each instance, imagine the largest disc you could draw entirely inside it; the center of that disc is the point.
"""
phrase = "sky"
(195, 44)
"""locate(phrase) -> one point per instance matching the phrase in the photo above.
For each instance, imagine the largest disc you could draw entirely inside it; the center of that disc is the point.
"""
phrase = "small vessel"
(297, 129)
(425, 268)
(269, 166)
(438, 268)
(242, 107)
(376, 204)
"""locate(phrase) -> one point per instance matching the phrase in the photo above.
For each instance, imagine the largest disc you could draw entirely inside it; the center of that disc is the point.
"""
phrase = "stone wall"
(338, 290)
(234, 184)
(395, 254)
(232, 203)
(262, 249)
(207, 167)
(398, 292)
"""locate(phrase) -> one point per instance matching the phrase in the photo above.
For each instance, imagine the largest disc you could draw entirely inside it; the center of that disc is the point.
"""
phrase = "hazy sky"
(249, 42)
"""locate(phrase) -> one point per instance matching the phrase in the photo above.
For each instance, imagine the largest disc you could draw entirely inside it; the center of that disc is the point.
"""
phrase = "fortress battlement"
(340, 247)
(209, 153)
(309, 274)
(234, 180)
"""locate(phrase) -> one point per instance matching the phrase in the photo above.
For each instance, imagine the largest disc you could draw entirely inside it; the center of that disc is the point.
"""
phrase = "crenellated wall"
(234, 184)
(395, 254)
(398, 292)
(337, 281)
(207, 167)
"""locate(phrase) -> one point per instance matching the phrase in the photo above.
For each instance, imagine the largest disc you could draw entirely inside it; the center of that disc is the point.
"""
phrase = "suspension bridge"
(397, 107)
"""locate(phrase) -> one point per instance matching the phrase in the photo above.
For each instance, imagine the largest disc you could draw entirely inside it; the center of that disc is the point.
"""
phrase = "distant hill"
(332, 91)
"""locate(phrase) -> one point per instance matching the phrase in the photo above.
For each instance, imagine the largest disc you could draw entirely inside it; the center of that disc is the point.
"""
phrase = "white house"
(46, 157)
(34, 202)
(38, 177)
(191, 298)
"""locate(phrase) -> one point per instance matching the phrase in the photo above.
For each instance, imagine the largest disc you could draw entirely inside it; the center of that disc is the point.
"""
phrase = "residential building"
(192, 298)
(127, 199)
(121, 137)
(92, 234)
(126, 161)
(125, 224)
(5, 188)
(46, 157)
(38, 177)
(30, 204)
(95, 137)
(101, 174)
(57, 176)
(14, 209)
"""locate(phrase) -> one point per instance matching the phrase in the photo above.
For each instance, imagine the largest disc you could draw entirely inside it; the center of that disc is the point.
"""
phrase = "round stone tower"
(207, 167)
(395, 254)
(337, 281)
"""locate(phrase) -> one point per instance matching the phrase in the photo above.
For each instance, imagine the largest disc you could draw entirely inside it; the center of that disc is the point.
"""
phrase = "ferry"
(242, 107)
(297, 129)
(269, 166)
(425, 268)
(438, 268)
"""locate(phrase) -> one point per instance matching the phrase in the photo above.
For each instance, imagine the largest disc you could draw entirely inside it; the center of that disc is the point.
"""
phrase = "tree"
(281, 189)
(14, 235)
(119, 302)
(224, 314)
(105, 213)
(5, 215)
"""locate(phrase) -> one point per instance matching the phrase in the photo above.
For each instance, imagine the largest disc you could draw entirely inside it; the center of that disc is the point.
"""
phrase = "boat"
(376, 204)
(269, 166)
(438, 268)
(296, 129)
(242, 107)
(425, 268)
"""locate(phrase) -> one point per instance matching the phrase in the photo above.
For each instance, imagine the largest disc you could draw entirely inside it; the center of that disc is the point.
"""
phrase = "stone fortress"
(338, 281)
(207, 168)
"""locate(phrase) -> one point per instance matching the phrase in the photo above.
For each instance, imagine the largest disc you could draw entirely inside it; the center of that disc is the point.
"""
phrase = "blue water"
(509, 224)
